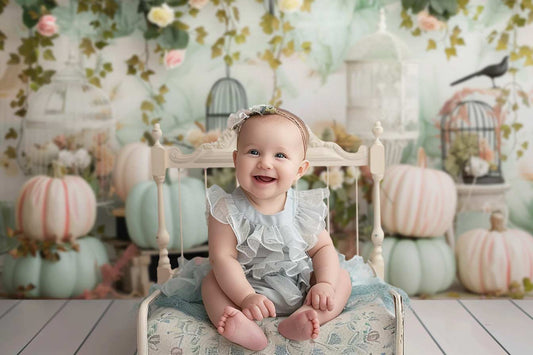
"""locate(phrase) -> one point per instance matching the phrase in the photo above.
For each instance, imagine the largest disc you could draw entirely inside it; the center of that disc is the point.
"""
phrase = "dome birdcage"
(382, 84)
(70, 122)
(227, 95)
(471, 144)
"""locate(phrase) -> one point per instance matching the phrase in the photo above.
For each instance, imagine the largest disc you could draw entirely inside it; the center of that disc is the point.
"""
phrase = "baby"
(268, 247)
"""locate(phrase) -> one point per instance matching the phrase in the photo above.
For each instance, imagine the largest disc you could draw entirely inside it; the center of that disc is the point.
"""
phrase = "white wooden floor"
(109, 327)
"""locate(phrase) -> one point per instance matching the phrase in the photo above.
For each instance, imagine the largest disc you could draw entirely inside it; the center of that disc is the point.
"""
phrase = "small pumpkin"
(417, 201)
(132, 167)
(58, 209)
(490, 260)
(417, 265)
(142, 219)
(74, 272)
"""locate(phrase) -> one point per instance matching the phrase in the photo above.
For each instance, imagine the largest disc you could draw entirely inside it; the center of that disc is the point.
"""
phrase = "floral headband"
(236, 120)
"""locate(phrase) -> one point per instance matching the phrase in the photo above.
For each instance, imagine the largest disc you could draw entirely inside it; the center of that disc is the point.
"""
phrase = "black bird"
(492, 71)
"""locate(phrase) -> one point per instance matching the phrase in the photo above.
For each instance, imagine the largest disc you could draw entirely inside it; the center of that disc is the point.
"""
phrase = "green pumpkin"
(141, 213)
(418, 266)
(74, 272)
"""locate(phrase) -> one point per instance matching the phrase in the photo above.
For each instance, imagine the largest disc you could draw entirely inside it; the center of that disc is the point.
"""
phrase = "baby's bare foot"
(300, 326)
(235, 327)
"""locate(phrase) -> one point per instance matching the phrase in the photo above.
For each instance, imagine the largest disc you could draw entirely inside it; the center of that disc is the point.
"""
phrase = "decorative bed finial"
(156, 133)
(377, 130)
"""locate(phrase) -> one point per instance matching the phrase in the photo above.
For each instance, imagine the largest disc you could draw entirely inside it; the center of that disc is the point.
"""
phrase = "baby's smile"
(264, 179)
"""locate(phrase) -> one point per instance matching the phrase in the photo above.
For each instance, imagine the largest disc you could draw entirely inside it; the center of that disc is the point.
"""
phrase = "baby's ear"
(302, 169)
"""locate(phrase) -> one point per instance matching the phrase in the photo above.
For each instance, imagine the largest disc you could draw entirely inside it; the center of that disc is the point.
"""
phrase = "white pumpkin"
(489, 260)
(417, 201)
(132, 167)
(57, 209)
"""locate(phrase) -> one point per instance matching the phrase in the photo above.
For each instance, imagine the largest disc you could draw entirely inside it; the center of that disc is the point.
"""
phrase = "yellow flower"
(289, 5)
(161, 15)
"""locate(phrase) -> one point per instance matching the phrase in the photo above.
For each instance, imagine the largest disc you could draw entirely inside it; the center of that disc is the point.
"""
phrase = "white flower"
(477, 167)
(336, 178)
(66, 158)
(289, 5)
(161, 15)
(82, 159)
(352, 173)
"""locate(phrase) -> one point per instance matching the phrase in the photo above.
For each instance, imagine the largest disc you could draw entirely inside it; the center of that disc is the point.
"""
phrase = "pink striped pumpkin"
(489, 260)
(57, 209)
(417, 201)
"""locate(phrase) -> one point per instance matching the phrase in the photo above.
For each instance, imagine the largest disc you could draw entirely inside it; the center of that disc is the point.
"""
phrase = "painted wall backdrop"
(160, 66)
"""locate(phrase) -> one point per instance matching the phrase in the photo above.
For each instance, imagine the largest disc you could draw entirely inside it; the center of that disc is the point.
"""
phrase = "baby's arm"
(230, 275)
(326, 270)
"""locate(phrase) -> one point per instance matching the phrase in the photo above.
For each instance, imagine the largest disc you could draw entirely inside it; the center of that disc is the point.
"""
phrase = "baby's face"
(269, 156)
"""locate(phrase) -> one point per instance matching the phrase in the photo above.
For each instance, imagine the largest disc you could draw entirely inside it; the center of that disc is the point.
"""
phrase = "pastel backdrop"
(311, 83)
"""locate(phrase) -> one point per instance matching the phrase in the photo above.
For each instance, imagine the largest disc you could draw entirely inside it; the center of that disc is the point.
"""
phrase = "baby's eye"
(253, 152)
(280, 155)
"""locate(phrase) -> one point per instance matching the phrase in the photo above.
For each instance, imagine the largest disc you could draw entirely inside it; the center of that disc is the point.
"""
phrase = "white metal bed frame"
(218, 155)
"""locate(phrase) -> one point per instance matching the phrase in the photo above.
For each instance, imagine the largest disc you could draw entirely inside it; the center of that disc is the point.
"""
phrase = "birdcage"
(382, 84)
(227, 95)
(471, 143)
(69, 122)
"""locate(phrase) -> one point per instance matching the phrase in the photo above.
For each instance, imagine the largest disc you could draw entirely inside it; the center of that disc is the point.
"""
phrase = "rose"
(47, 25)
(336, 177)
(289, 5)
(161, 16)
(428, 22)
(174, 58)
(198, 4)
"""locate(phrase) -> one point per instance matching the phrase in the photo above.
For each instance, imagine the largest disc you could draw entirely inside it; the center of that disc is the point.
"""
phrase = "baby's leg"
(230, 322)
(305, 322)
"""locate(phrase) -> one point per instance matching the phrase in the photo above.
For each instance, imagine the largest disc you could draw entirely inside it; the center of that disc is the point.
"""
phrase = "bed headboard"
(219, 154)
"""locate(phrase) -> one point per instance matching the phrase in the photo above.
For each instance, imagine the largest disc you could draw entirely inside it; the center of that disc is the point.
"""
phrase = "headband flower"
(235, 120)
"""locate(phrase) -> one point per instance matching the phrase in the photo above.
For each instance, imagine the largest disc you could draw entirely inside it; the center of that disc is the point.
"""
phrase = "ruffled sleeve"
(217, 204)
(310, 215)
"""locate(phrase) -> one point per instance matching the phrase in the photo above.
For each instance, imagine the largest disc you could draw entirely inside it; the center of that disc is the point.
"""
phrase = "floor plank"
(22, 323)
(6, 305)
(116, 332)
(505, 321)
(66, 331)
(525, 305)
(417, 339)
(454, 329)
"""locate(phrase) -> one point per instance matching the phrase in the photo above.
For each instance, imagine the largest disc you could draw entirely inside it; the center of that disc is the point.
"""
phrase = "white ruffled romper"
(273, 248)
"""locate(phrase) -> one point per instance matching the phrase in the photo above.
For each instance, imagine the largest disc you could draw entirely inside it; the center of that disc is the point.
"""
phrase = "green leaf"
(502, 42)
(11, 134)
(89, 72)
(108, 67)
(173, 38)
(86, 47)
(450, 52)
(48, 55)
(201, 33)
(10, 152)
(431, 45)
(517, 126)
(145, 75)
(13, 59)
(163, 89)
(506, 130)
(416, 32)
(147, 106)
(288, 50)
(269, 23)
(95, 81)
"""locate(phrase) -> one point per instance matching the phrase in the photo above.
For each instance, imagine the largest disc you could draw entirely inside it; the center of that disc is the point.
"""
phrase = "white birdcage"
(70, 122)
(382, 84)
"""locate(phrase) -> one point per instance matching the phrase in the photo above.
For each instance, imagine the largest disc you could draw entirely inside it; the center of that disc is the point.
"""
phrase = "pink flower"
(47, 25)
(197, 4)
(174, 58)
(428, 22)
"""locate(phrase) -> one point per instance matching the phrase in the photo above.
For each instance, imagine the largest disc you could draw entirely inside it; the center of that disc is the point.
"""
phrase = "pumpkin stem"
(58, 170)
(497, 221)
(422, 160)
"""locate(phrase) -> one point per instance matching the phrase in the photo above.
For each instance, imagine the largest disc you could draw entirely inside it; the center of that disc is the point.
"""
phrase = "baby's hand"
(321, 296)
(257, 307)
